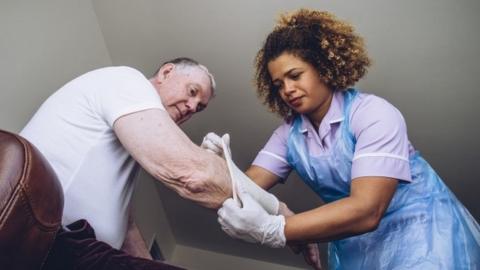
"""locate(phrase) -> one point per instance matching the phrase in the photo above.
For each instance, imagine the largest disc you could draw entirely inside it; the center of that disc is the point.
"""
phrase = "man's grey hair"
(184, 62)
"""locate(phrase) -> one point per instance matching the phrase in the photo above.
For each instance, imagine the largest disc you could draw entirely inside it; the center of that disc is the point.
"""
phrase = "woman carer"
(386, 208)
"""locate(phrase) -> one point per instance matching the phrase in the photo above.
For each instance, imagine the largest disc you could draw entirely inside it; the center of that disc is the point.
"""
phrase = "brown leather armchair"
(31, 204)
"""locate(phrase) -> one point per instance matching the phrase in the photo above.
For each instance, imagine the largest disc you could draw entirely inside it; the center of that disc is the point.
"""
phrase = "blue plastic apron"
(424, 227)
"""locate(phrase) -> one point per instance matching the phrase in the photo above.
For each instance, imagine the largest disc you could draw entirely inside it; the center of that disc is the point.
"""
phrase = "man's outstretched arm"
(165, 152)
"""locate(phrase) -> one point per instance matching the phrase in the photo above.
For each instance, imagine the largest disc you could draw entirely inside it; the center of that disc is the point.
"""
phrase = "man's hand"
(311, 253)
(134, 244)
(251, 222)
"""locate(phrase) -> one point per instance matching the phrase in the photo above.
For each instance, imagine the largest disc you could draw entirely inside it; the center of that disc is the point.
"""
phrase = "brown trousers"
(77, 248)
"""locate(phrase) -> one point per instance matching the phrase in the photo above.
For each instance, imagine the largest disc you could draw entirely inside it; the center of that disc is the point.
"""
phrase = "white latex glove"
(250, 222)
(213, 143)
(221, 146)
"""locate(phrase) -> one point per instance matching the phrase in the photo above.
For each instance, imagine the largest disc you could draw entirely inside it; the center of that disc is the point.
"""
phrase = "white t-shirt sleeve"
(125, 91)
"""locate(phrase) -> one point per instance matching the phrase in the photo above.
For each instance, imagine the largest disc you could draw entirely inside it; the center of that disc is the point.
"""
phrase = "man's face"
(183, 90)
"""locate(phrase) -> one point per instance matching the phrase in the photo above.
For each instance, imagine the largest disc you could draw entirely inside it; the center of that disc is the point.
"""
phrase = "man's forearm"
(206, 183)
(164, 151)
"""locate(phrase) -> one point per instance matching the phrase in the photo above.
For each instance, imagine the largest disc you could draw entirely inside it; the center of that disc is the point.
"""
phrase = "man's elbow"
(202, 178)
(173, 172)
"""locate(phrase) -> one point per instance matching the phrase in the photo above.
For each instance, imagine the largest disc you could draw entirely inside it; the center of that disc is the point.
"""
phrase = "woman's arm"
(359, 213)
(262, 177)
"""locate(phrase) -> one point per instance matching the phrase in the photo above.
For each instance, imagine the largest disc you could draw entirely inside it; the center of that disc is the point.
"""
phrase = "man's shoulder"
(125, 70)
(114, 77)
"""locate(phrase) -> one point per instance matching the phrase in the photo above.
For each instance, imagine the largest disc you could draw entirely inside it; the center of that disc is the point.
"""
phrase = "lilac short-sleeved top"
(382, 147)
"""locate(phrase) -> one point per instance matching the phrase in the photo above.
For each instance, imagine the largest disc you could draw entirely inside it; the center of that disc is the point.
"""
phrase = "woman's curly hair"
(318, 38)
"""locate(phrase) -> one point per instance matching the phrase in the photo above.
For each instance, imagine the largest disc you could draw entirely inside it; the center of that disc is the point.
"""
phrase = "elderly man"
(97, 128)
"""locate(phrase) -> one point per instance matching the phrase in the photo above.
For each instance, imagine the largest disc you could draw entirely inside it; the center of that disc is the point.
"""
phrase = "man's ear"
(165, 72)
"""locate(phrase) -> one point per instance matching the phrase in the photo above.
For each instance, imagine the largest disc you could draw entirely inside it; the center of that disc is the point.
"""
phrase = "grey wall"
(43, 44)
(149, 214)
(199, 259)
(426, 63)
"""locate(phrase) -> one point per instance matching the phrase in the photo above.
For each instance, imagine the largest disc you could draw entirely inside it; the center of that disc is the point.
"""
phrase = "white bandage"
(267, 200)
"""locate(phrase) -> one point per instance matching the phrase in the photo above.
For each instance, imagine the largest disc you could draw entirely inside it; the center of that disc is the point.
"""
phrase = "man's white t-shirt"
(74, 131)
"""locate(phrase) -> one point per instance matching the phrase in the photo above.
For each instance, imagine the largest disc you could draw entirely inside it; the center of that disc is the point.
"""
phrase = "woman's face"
(300, 86)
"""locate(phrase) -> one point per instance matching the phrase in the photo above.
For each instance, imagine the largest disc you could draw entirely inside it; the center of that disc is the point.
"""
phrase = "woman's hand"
(250, 222)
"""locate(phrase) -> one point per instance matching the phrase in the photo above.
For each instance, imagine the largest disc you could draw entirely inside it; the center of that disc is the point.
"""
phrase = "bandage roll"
(267, 200)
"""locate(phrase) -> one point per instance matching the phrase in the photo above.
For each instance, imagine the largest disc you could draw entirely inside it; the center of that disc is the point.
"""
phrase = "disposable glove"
(250, 222)
(221, 146)
(213, 143)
